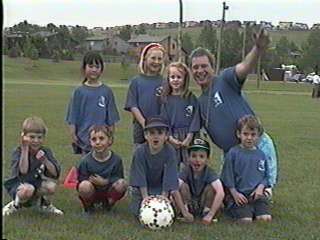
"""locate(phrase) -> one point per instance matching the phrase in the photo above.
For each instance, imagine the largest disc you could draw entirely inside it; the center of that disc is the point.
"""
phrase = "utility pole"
(180, 31)
(244, 39)
(220, 37)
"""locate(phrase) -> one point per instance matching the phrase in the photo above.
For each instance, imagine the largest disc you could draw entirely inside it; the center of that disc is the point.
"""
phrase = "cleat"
(50, 209)
(10, 208)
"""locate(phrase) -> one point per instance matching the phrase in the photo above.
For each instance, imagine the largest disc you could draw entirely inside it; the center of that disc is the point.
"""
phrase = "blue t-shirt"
(221, 106)
(197, 185)
(91, 106)
(244, 169)
(112, 169)
(182, 112)
(157, 171)
(144, 93)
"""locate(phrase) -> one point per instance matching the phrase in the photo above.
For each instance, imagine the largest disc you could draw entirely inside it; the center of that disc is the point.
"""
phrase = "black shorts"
(251, 209)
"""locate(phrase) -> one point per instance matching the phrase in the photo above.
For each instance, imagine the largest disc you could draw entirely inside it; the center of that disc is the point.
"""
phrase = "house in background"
(114, 43)
(285, 25)
(138, 42)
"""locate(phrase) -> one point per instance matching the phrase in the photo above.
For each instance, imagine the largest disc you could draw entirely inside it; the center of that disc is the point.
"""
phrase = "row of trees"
(235, 45)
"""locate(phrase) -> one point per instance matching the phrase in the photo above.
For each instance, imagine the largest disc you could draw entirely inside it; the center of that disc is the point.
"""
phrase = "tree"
(311, 51)
(125, 32)
(283, 49)
(187, 43)
(140, 30)
(208, 39)
(231, 47)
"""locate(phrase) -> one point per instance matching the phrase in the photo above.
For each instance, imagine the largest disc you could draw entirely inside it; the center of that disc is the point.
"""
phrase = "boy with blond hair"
(33, 168)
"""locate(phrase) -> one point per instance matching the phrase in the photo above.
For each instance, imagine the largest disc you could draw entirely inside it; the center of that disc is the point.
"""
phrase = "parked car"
(308, 78)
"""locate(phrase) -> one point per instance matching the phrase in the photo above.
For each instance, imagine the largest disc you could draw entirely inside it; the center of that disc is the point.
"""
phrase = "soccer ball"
(156, 213)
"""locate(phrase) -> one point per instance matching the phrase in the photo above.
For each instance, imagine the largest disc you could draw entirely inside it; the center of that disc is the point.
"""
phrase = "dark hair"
(252, 122)
(92, 58)
(199, 52)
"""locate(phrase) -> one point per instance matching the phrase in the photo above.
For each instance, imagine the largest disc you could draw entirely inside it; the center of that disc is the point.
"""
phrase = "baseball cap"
(199, 143)
(156, 122)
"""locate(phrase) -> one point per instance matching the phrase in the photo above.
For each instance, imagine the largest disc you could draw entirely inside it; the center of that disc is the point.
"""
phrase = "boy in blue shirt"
(245, 174)
(200, 187)
(154, 167)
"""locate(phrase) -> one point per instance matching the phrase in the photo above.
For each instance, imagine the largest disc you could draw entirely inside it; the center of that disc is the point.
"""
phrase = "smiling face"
(198, 159)
(92, 71)
(153, 63)
(202, 70)
(248, 137)
(99, 141)
(35, 140)
(156, 138)
(176, 79)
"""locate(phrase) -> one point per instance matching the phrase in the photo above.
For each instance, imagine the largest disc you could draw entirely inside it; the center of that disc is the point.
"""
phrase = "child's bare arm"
(138, 116)
(217, 201)
(24, 157)
(178, 201)
(40, 156)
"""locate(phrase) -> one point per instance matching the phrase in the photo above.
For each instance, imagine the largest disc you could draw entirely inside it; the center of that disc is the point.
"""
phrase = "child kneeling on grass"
(201, 189)
(245, 175)
(154, 168)
(33, 169)
(100, 172)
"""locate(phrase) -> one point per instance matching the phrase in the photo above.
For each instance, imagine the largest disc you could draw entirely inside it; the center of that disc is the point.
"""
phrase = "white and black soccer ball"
(156, 213)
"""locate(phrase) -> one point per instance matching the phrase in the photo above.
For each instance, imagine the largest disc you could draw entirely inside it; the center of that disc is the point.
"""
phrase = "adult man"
(222, 102)
(316, 85)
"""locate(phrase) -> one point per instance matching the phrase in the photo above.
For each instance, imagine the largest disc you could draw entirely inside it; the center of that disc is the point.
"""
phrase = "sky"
(110, 13)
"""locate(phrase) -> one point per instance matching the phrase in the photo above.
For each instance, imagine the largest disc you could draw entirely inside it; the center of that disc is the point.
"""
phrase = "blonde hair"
(34, 125)
(167, 89)
(144, 53)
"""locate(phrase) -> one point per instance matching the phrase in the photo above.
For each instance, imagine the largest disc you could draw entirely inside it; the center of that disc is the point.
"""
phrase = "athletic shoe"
(205, 211)
(88, 209)
(50, 209)
(10, 208)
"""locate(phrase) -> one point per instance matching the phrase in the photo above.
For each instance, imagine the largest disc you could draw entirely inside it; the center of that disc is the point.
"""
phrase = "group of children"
(169, 159)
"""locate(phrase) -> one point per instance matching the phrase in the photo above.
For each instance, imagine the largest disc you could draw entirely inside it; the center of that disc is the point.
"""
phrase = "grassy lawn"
(287, 111)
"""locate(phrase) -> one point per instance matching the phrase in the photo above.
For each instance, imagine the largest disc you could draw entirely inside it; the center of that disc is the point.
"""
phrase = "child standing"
(180, 107)
(145, 89)
(200, 187)
(154, 169)
(100, 172)
(92, 103)
(33, 168)
(245, 174)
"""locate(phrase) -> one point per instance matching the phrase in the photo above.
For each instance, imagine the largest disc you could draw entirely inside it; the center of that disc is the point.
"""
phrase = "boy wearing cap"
(154, 167)
(201, 190)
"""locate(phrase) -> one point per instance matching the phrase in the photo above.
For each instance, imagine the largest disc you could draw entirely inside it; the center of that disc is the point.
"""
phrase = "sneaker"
(10, 208)
(205, 211)
(88, 209)
(50, 209)
(106, 206)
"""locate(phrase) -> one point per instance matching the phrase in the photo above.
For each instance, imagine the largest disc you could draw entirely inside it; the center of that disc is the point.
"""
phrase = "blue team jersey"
(112, 169)
(221, 106)
(182, 112)
(154, 171)
(245, 169)
(91, 106)
(197, 185)
(144, 93)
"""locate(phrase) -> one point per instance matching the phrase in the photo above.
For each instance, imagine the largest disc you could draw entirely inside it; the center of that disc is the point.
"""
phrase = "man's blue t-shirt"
(221, 106)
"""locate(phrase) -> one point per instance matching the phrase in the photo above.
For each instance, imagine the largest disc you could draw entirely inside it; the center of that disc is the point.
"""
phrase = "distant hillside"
(297, 36)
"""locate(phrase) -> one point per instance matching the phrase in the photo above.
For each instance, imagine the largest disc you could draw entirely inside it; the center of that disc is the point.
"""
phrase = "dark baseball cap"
(156, 122)
(199, 143)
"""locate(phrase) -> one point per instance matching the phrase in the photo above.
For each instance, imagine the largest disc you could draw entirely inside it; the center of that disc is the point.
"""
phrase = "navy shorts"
(251, 209)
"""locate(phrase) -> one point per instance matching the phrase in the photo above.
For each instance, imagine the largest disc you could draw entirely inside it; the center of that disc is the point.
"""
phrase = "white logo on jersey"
(158, 91)
(262, 165)
(217, 99)
(189, 111)
(102, 101)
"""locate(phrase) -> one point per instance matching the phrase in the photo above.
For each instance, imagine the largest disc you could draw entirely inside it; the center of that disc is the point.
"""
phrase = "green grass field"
(287, 111)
